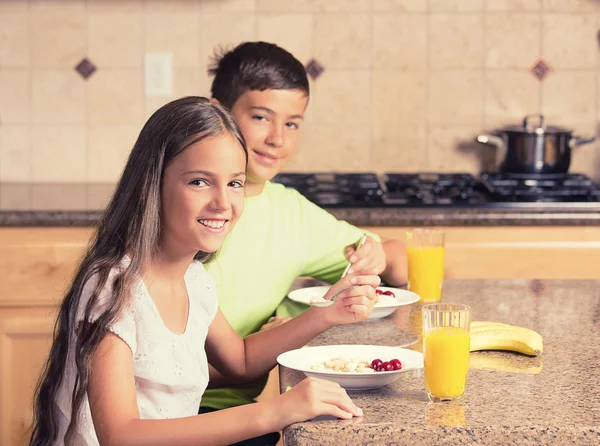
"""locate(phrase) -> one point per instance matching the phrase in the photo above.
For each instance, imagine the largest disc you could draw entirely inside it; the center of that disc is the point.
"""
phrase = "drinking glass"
(446, 346)
(426, 254)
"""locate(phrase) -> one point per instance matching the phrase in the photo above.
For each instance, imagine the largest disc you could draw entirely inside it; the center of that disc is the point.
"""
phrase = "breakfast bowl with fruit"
(388, 298)
(354, 367)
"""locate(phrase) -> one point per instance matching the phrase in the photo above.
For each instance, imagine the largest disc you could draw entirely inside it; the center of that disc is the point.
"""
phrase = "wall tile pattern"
(406, 85)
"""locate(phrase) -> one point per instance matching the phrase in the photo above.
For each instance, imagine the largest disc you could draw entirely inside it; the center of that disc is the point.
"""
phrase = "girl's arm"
(112, 397)
(216, 380)
(250, 358)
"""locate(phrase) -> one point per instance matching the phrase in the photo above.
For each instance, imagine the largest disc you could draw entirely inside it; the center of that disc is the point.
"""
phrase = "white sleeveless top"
(170, 370)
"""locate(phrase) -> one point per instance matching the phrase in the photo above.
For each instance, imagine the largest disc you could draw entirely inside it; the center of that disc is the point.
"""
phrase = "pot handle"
(491, 140)
(579, 141)
(542, 123)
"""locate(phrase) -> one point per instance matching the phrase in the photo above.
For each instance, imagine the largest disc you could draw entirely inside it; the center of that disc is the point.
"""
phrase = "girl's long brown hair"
(131, 225)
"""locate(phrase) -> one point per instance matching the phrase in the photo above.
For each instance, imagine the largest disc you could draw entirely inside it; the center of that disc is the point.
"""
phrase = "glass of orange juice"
(426, 254)
(446, 342)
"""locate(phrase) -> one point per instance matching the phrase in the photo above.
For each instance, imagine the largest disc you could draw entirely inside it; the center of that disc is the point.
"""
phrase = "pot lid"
(535, 126)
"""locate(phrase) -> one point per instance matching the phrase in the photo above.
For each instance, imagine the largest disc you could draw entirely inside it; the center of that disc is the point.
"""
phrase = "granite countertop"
(552, 399)
(82, 204)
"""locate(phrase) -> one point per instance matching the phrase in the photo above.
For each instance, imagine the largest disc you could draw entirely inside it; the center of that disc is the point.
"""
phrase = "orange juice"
(446, 351)
(426, 271)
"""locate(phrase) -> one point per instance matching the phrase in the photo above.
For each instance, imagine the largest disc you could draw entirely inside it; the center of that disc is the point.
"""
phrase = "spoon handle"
(358, 246)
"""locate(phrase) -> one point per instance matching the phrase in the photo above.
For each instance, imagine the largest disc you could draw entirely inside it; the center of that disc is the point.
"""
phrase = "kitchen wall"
(407, 84)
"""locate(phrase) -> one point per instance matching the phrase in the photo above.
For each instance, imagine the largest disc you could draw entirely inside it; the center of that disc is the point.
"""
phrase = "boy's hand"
(370, 258)
(355, 298)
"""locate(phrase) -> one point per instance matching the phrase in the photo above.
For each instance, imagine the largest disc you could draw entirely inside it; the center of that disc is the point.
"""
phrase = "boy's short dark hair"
(255, 66)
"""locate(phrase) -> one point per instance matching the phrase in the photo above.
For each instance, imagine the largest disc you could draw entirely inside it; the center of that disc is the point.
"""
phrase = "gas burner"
(431, 189)
(336, 189)
(445, 190)
(541, 187)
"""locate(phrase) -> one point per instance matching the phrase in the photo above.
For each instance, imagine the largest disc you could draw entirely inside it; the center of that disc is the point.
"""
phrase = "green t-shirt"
(280, 237)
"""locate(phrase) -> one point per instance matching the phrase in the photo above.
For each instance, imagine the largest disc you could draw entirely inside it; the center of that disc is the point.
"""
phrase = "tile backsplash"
(407, 84)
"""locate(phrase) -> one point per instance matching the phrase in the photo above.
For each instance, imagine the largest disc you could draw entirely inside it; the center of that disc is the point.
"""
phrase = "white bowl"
(303, 358)
(386, 305)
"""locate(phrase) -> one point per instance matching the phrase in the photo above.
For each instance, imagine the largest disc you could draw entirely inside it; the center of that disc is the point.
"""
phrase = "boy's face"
(270, 121)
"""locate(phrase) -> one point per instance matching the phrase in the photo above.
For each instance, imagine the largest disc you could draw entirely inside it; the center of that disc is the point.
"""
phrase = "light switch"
(158, 74)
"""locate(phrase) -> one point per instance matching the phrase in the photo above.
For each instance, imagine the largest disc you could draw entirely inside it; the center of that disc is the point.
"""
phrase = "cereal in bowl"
(343, 364)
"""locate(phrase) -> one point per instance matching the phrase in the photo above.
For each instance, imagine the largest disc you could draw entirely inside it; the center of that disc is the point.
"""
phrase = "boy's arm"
(386, 258)
(326, 242)
(396, 268)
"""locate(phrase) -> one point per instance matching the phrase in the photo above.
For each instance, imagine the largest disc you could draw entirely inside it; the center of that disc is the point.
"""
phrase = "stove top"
(432, 190)
(336, 189)
(541, 187)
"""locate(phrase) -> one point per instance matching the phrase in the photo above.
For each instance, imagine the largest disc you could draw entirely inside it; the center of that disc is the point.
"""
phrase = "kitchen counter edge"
(356, 216)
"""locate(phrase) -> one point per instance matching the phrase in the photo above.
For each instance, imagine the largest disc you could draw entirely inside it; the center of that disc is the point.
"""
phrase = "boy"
(281, 235)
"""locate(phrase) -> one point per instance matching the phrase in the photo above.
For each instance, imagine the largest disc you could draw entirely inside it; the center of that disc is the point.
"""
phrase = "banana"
(479, 324)
(499, 336)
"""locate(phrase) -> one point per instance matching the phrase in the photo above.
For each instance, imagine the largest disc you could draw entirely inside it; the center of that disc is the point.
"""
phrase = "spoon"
(321, 302)
(358, 246)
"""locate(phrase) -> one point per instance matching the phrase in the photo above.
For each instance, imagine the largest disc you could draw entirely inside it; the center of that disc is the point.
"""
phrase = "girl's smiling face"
(202, 194)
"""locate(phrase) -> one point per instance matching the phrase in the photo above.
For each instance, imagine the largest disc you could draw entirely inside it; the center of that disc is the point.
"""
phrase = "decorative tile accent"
(541, 69)
(314, 68)
(85, 68)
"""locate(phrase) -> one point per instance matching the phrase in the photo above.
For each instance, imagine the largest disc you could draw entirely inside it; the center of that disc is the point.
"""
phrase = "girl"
(140, 323)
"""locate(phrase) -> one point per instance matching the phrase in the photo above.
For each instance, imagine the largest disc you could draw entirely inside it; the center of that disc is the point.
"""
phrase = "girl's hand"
(355, 300)
(313, 397)
(370, 258)
(274, 322)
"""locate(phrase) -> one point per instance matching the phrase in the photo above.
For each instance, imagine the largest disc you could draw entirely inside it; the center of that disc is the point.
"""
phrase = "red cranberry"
(376, 363)
(396, 364)
(386, 367)
(378, 291)
(389, 293)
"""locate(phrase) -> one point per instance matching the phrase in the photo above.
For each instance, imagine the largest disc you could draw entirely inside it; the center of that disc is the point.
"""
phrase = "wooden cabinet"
(25, 338)
(37, 264)
(510, 252)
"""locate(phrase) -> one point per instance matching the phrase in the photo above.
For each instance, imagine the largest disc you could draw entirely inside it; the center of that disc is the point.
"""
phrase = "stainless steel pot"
(531, 148)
